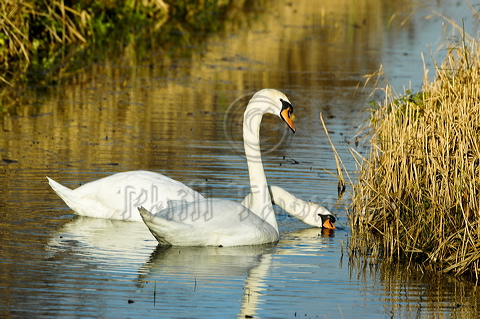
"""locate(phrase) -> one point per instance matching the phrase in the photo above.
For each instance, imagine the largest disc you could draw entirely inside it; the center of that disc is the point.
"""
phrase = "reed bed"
(417, 195)
(36, 31)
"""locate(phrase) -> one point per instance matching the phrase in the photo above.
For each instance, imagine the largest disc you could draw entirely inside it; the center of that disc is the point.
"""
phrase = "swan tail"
(64, 192)
(79, 206)
(158, 226)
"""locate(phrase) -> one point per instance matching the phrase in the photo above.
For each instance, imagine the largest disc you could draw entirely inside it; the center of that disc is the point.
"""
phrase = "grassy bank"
(42, 41)
(417, 196)
(39, 33)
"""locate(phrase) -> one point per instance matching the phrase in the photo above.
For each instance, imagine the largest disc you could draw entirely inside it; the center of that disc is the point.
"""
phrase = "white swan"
(222, 222)
(118, 196)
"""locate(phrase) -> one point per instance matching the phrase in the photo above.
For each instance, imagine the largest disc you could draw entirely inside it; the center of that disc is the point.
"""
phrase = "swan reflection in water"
(181, 278)
(183, 273)
(114, 241)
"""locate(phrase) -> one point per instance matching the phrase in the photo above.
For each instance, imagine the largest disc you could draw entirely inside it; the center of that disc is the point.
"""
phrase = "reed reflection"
(129, 107)
(412, 288)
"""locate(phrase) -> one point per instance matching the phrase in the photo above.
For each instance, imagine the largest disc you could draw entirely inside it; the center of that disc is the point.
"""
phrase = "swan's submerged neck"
(260, 201)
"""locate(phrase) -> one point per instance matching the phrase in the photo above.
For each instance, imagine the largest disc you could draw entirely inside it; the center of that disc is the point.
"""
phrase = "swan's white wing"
(209, 222)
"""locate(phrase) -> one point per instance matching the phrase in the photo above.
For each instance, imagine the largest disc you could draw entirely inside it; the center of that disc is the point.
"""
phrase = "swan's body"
(222, 222)
(118, 196)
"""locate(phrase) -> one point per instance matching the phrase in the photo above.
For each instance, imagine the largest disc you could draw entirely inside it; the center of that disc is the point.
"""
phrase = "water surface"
(172, 114)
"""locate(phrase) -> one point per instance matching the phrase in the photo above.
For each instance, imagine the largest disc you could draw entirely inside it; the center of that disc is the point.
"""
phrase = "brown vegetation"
(417, 196)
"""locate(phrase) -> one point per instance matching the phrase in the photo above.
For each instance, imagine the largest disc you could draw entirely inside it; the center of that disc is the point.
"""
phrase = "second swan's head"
(275, 102)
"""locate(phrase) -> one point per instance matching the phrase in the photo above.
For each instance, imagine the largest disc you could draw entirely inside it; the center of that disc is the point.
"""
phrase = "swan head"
(277, 103)
(328, 221)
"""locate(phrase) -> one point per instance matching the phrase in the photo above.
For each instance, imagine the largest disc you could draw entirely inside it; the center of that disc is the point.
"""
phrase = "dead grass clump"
(19, 18)
(417, 197)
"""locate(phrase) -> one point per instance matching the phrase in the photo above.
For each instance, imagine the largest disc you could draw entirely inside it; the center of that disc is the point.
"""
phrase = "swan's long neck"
(260, 202)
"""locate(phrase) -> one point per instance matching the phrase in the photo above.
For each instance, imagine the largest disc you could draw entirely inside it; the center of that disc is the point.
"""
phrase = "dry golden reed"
(417, 196)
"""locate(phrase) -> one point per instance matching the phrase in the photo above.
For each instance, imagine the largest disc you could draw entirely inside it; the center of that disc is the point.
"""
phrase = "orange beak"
(288, 117)
(328, 224)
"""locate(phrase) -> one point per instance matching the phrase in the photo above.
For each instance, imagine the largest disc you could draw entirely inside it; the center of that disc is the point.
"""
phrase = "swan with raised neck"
(223, 222)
